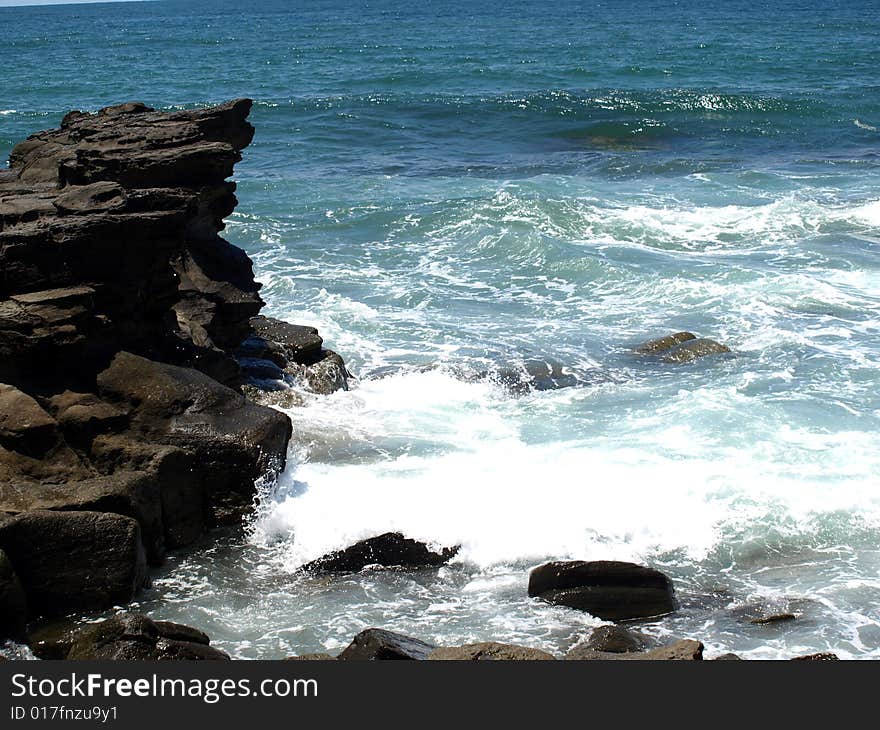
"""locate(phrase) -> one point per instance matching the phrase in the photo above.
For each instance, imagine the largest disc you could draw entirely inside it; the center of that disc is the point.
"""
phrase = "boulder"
(617, 640)
(13, 605)
(824, 656)
(74, 561)
(489, 651)
(379, 644)
(680, 347)
(609, 590)
(663, 344)
(134, 637)
(693, 349)
(390, 550)
(684, 650)
(728, 657)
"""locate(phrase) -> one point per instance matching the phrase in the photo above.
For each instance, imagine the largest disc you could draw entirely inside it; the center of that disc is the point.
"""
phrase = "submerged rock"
(390, 550)
(684, 650)
(379, 644)
(680, 347)
(489, 651)
(610, 590)
(693, 349)
(773, 618)
(824, 656)
(663, 344)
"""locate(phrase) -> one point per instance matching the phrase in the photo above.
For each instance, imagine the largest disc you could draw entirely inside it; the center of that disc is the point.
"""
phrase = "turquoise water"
(455, 190)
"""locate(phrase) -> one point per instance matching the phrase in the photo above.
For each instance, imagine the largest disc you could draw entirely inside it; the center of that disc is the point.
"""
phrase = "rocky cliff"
(128, 337)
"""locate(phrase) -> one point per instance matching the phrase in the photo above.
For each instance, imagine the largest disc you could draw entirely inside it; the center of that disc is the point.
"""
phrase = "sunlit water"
(450, 194)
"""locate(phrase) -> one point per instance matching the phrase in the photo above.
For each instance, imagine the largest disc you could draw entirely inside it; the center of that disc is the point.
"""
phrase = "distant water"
(450, 189)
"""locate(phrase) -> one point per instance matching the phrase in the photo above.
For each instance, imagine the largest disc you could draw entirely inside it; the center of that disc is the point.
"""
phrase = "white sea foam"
(457, 470)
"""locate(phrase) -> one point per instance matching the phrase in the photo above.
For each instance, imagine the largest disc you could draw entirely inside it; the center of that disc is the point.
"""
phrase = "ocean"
(454, 192)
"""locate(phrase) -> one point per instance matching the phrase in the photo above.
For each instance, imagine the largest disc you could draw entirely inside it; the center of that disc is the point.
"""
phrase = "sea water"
(450, 191)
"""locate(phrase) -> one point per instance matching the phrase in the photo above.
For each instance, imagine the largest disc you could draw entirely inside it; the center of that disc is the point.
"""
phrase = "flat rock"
(684, 650)
(610, 590)
(390, 550)
(489, 651)
(379, 644)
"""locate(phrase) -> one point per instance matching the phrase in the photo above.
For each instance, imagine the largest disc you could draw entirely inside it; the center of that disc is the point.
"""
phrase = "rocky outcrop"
(489, 651)
(610, 590)
(282, 352)
(126, 637)
(391, 550)
(379, 644)
(125, 430)
(680, 347)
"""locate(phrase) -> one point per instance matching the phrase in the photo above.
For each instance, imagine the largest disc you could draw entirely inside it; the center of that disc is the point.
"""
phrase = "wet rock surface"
(617, 640)
(489, 651)
(379, 644)
(684, 650)
(391, 550)
(610, 590)
(125, 637)
(680, 347)
(124, 428)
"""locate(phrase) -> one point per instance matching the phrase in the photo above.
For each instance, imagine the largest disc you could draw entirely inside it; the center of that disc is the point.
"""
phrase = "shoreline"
(132, 432)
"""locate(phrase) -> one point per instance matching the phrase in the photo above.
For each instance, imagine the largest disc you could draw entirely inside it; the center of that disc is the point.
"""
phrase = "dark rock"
(122, 316)
(13, 605)
(24, 426)
(617, 640)
(610, 590)
(694, 349)
(663, 344)
(773, 618)
(283, 343)
(543, 374)
(133, 637)
(390, 550)
(729, 657)
(489, 651)
(684, 650)
(296, 351)
(680, 347)
(378, 644)
(234, 441)
(53, 639)
(72, 561)
(820, 657)
(181, 632)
